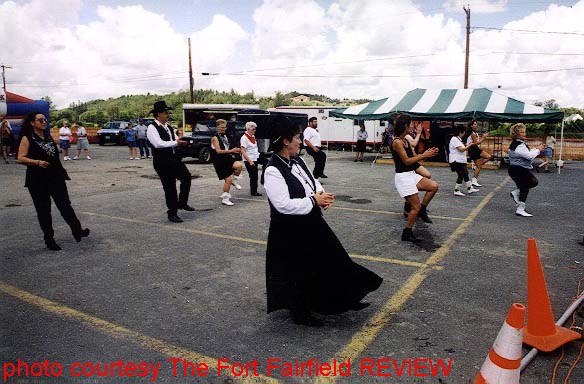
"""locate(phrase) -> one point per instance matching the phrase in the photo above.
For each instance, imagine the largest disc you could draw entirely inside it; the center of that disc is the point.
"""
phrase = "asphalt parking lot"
(142, 289)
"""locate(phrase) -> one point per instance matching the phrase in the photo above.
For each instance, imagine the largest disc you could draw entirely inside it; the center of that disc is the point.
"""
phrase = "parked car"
(199, 140)
(113, 132)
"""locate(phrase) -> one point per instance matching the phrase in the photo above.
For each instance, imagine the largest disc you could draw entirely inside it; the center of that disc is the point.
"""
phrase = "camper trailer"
(338, 133)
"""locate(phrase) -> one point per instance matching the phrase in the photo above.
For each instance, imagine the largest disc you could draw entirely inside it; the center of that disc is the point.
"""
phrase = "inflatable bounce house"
(14, 107)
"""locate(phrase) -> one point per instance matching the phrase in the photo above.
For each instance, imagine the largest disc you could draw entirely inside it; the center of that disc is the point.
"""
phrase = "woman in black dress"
(307, 268)
(45, 178)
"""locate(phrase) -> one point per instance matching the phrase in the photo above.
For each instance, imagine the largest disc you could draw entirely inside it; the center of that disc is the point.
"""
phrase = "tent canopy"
(450, 104)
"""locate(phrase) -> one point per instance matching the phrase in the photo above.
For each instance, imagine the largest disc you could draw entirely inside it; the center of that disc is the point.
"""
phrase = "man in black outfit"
(312, 141)
(167, 163)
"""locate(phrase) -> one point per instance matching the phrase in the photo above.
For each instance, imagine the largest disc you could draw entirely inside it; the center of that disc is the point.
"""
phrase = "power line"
(530, 31)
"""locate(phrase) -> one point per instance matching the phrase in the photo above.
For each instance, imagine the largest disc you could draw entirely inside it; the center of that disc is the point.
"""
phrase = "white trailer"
(338, 132)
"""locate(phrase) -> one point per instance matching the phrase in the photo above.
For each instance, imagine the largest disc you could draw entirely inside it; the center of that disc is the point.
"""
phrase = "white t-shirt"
(251, 149)
(313, 136)
(455, 156)
(82, 133)
(550, 141)
(362, 135)
(64, 133)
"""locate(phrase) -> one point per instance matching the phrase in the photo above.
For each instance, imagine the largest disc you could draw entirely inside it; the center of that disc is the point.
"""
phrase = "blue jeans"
(143, 145)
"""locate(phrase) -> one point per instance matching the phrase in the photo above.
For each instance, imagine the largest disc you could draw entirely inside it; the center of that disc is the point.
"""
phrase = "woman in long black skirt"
(307, 268)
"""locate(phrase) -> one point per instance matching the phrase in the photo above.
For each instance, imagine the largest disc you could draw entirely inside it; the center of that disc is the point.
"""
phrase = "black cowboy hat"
(160, 106)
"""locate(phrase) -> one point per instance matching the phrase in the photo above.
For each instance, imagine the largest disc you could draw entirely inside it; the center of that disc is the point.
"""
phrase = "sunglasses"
(41, 120)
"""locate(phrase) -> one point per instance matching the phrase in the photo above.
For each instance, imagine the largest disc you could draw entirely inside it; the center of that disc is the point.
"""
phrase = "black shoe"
(361, 160)
(174, 218)
(408, 235)
(324, 176)
(423, 215)
(256, 194)
(537, 169)
(354, 161)
(52, 244)
(306, 318)
(186, 207)
(79, 235)
(359, 306)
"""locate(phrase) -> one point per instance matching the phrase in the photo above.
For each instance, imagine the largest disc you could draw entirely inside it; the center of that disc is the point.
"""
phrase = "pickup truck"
(199, 140)
(113, 132)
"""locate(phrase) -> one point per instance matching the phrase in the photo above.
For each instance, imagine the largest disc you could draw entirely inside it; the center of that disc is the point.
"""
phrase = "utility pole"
(467, 11)
(191, 80)
(4, 75)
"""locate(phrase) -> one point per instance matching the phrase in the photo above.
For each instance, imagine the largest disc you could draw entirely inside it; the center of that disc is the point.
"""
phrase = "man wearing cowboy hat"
(167, 163)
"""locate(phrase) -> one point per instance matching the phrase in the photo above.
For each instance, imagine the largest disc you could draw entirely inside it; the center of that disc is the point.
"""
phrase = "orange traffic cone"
(502, 363)
(541, 331)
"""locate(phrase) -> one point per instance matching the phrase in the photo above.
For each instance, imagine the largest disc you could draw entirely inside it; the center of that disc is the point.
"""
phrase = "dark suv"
(199, 140)
(113, 132)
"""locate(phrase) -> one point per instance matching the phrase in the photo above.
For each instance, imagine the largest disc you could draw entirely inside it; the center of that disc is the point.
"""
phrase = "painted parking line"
(360, 210)
(369, 332)
(117, 331)
(253, 241)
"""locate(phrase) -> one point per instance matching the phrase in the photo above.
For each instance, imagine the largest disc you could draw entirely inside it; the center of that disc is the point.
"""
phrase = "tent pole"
(560, 162)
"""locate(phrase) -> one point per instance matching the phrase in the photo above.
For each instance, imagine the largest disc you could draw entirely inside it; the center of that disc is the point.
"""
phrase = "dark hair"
(282, 129)
(463, 129)
(26, 128)
(546, 132)
(312, 119)
(402, 122)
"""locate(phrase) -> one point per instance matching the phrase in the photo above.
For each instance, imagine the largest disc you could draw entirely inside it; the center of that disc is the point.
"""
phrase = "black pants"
(252, 170)
(524, 179)
(41, 194)
(319, 161)
(143, 145)
(169, 173)
(461, 171)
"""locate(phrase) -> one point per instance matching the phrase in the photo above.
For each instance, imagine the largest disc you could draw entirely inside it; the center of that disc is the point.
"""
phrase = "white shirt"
(455, 156)
(313, 136)
(154, 136)
(251, 149)
(81, 133)
(64, 133)
(550, 141)
(277, 191)
(362, 135)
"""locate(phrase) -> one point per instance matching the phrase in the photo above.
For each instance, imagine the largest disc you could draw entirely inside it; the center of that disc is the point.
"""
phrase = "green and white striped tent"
(450, 104)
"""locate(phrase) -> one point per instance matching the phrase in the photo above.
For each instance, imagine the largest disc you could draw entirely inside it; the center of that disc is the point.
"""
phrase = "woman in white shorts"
(407, 181)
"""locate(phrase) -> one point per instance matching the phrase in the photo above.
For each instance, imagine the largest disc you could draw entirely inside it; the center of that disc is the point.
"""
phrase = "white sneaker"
(472, 190)
(66, 158)
(131, 158)
(520, 211)
(235, 184)
(225, 199)
(458, 193)
(137, 158)
(515, 195)
(475, 183)
(76, 158)
(88, 158)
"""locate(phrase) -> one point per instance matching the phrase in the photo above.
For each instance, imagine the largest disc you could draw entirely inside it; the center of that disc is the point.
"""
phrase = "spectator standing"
(131, 140)
(5, 133)
(520, 166)
(361, 142)
(548, 151)
(224, 161)
(458, 163)
(82, 142)
(167, 164)
(45, 178)
(142, 137)
(313, 147)
(250, 154)
(65, 140)
(307, 268)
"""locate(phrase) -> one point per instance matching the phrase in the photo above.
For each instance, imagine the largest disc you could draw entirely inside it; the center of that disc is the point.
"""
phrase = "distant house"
(300, 98)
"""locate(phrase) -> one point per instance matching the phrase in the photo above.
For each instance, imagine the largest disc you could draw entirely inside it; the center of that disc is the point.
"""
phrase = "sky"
(76, 50)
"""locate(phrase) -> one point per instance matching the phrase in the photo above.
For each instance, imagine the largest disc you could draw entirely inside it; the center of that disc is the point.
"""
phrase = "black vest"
(400, 166)
(36, 174)
(214, 155)
(295, 187)
(165, 155)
